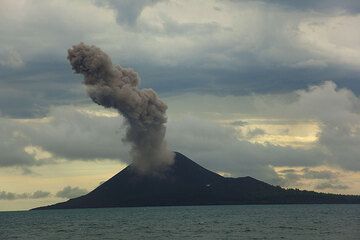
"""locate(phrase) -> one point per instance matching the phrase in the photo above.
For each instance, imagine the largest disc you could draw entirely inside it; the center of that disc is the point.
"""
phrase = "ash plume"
(113, 86)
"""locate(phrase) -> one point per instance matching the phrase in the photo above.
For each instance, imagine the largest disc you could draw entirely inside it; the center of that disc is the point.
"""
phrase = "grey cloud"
(291, 177)
(27, 171)
(30, 91)
(43, 78)
(335, 109)
(285, 171)
(53, 86)
(342, 141)
(14, 196)
(245, 80)
(255, 133)
(330, 185)
(7, 195)
(352, 6)
(285, 131)
(239, 123)
(338, 111)
(70, 133)
(40, 194)
(323, 174)
(73, 133)
(11, 59)
(217, 8)
(171, 28)
(71, 192)
(12, 144)
(218, 148)
(128, 11)
(77, 135)
(211, 57)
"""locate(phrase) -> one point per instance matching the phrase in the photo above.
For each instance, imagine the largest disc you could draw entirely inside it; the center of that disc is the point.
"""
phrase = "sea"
(190, 222)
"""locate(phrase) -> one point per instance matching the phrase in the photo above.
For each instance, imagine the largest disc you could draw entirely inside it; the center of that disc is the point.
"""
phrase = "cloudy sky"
(268, 89)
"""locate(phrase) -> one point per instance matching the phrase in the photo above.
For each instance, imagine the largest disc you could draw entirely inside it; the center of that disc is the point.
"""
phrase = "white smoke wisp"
(113, 86)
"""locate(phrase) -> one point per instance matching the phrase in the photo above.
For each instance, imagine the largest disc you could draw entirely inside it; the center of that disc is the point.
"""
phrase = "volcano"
(187, 183)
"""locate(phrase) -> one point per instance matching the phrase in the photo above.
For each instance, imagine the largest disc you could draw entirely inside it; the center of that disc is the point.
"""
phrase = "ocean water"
(194, 222)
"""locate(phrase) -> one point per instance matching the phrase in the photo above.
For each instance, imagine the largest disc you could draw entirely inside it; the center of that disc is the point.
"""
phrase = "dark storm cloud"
(30, 91)
(245, 80)
(217, 57)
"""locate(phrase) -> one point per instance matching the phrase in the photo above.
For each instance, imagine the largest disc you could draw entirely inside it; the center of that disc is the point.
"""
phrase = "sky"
(268, 89)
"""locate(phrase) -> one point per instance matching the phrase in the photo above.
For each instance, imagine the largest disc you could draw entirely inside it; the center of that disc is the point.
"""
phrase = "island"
(187, 183)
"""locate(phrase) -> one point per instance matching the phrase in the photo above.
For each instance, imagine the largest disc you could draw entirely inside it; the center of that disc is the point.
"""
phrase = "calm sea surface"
(205, 222)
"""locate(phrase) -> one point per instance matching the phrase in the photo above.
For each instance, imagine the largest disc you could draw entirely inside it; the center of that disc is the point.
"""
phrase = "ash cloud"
(113, 86)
